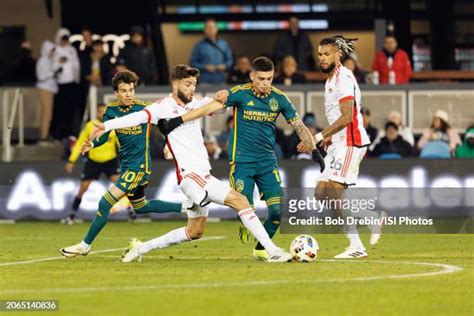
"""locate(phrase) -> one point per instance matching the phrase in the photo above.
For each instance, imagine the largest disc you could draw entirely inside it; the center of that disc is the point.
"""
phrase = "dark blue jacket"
(207, 53)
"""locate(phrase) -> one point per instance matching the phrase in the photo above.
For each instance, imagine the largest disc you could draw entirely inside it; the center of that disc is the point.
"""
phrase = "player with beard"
(186, 144)
(345, 138)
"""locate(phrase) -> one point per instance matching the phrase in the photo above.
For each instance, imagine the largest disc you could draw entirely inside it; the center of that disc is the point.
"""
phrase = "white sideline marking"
(445, 269)
(14, 263)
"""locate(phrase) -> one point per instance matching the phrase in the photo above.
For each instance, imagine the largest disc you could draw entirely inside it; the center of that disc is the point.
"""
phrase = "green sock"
(143, 206)
(272, 223)
(100, 219)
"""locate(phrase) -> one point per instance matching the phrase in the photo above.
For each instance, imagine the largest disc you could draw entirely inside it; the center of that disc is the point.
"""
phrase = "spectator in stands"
(120, 65)
(67, 100)
(404, 131)
(139, 58)
(289, 73)
(87, 39)
(371, 131)
(240, 73)
(23, 69)
(98, 66)
(84, 49)
(223, 138)
(352, 64)
(440, 130)
(213, 149)
(212, 56)
(392, 63)
(309, 120)
(47, 87)
(392, 143)
(296, 43)
(466, 150)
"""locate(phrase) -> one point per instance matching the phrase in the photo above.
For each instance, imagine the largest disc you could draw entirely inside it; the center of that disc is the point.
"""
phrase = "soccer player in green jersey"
(256, 107)
(135, 159)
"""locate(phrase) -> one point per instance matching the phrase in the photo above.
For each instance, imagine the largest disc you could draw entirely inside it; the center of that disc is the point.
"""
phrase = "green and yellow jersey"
(134, 141)
(104, 153)
(255, 115)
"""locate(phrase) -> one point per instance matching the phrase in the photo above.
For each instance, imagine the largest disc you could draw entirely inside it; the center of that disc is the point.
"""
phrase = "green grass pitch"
(218, 276)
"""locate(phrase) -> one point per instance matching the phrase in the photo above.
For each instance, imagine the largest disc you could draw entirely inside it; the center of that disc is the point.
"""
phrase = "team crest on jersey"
(273, 104)
(239, 185)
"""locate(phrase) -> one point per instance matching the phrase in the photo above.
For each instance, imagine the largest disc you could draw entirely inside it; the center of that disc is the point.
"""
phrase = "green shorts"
(130, 180)
(244, 176)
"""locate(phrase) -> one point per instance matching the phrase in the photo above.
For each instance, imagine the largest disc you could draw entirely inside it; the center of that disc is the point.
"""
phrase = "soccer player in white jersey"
(186, 144)
(345, 137)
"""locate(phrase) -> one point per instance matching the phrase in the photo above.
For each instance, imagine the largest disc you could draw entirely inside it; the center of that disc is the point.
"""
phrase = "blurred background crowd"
(65, 67)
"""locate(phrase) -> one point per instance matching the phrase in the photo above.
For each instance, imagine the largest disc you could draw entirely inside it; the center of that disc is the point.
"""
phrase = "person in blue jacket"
(212, 56)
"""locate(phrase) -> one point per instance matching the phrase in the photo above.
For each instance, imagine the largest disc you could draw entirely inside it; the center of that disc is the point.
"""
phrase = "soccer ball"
(304, 248)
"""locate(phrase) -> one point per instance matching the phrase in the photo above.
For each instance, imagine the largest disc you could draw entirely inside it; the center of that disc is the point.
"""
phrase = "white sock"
(353, 235)
(84, 244)
(174, 237)
(253, 224)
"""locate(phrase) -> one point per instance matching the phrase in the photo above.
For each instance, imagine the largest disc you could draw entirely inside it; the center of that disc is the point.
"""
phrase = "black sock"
(76, 203)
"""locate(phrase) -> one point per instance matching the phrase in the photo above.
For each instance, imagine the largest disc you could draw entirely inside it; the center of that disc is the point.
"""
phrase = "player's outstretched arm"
(167, 126)
(207, 109)
(128, 120)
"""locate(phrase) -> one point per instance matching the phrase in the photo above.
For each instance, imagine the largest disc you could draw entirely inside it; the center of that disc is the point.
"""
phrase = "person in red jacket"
(392, 58)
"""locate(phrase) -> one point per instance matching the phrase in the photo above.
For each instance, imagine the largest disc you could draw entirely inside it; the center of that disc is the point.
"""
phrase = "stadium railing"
(417, 102)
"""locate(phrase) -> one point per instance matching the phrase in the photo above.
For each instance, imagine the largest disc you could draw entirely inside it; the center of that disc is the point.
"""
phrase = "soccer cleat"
(70, 220)
(260, 254)
(244, 234)
(132, 216)
(352, 253)
(280, 255)
(132, 252)
(75, 250)
(376, 230)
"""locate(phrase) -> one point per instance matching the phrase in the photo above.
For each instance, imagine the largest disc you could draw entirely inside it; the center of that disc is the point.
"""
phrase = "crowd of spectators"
(65, 73)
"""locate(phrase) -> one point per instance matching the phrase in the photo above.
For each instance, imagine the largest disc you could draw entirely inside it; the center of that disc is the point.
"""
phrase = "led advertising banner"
(44, 191)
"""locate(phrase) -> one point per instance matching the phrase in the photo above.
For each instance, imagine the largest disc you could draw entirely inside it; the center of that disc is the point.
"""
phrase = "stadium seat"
(390, 156)
(435, 150)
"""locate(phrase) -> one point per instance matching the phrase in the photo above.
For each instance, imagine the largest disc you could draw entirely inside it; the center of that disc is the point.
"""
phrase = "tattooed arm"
(303, 133)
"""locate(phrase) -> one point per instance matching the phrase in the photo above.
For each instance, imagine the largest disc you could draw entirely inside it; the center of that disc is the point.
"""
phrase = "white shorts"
(342, 164)
(202, 189)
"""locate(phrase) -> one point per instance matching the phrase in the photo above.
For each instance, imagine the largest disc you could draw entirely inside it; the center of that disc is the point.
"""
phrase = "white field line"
(445, 269)
(14, 263)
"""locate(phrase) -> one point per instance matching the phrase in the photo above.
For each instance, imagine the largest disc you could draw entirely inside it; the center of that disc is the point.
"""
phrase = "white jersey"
(342, 87)
(185, 142)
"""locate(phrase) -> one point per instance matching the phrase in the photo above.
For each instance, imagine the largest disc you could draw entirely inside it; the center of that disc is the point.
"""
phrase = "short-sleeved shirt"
(255, 115)
(134, 142)
(342, 87)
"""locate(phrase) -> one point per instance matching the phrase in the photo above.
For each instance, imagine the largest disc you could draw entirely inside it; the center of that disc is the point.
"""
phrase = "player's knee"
(195, 232)
(236, 200)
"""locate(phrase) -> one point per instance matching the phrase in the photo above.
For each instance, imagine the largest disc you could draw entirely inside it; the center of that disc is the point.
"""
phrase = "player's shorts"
(244, 175)
(130, 180)
(342, 164)
(93, 170)
(202, 188)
